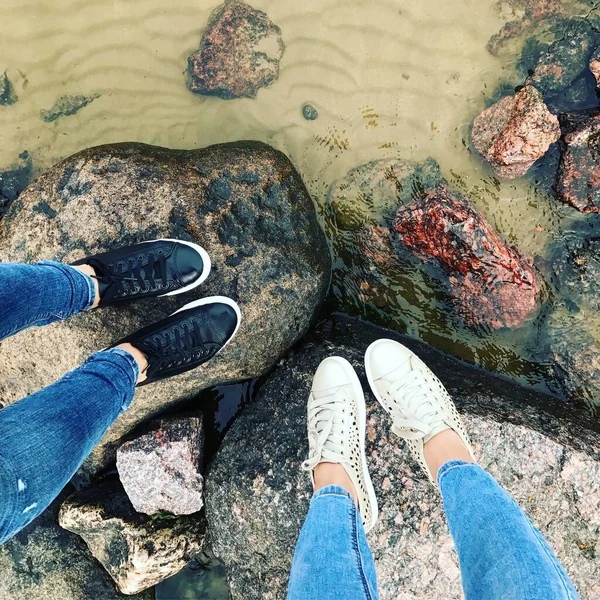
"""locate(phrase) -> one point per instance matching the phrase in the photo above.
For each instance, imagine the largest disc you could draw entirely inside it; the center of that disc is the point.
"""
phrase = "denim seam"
(553, 559)
(355, 516)
(10, 521)
(70, 274)
(29, 323)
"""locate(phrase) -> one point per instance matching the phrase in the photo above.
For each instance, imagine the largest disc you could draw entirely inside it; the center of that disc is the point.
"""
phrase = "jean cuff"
(332, 490)
(453, 464)
(126, 363)
(83, 288)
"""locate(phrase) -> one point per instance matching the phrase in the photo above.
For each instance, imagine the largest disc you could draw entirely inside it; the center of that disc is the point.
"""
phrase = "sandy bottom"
(389, 78)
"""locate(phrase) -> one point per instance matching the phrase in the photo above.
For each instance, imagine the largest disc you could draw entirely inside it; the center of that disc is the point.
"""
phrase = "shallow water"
(389, 78)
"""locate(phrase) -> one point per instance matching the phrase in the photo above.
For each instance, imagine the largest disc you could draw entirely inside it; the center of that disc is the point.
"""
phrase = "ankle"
(92, 273)
(327, 473)
(444, 447)
(140, 359)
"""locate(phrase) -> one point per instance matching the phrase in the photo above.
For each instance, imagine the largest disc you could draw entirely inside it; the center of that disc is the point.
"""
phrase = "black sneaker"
(188, 338)
(156, 268)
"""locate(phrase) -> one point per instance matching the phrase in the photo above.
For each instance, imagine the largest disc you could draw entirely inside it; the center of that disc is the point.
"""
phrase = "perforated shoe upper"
(336, 430)
(412, 395)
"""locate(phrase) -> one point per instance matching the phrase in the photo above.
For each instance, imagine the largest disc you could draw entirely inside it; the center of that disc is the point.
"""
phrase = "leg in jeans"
(45, 437)
(502, 555)
(332, 559)
(41, 294)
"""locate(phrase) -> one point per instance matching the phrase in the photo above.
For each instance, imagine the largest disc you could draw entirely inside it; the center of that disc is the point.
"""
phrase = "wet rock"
(576, 269)
(242, 201)
(14, 180)
(239, 53)
(309, 112)
(66, 106)
(8, 95)
(46, 562)
(136, 550)
(380, 183)
(578, 179)
(565, 60)
(574, 342)
(594, 65)
(525, 17)
(489, 282)
(161, 470)
(255, 517)
(513, 133)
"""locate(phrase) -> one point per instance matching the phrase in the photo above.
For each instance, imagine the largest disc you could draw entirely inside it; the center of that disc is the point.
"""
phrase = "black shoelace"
(125, 277)
(175, 348)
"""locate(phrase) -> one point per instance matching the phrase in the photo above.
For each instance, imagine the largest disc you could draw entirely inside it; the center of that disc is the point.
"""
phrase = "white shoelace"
(410, 396)
(326, 420)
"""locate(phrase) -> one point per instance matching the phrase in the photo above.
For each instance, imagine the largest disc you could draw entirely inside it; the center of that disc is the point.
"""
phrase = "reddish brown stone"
(578, 182)
(513, 133)
(491, 285)
(595, 66)
(239, 53)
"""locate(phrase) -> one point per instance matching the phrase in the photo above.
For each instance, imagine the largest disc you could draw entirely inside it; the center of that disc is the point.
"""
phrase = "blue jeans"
(502, 555)
(45, 437)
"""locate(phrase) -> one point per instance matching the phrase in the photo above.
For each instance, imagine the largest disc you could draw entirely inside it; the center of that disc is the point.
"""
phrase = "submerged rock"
(578, 179)
(14, 180)
(565, 59)
(574, 342)
(576, 270)
(66, 106)
(136, 550)
(525, 16)
(309, 112)
(490, 283)
(239, 53)
(161, 470)
(513, 133)
(46, 562)
(8, 95)
(255, 517)
(244, 202)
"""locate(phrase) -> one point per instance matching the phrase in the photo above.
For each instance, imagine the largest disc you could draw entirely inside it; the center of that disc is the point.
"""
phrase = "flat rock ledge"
(533, 444)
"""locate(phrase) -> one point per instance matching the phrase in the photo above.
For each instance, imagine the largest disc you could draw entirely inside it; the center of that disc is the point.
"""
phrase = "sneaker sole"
(362, 416)
(216, 300)
(206, 262)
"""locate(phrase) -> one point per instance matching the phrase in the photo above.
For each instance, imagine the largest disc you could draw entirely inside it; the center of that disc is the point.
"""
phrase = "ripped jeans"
(502, 555)
(45, 437)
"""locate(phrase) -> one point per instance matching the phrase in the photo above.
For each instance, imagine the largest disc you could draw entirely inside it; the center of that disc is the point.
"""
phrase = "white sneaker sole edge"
(206, 262)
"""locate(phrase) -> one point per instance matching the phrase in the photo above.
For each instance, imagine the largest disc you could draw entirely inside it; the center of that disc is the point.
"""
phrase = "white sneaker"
(413, 396)
(336, 430)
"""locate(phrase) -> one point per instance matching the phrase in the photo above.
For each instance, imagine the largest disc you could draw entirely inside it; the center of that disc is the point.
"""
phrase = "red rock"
(513, 133)
(595, 66)
(239, 53)
(490, 284)
(578, 180)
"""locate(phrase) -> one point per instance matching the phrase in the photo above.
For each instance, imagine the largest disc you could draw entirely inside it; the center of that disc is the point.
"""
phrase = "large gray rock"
(528, 441)
(136, 550)
(161, 470)
(14, 179)
(244, 202)
(46, 562)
